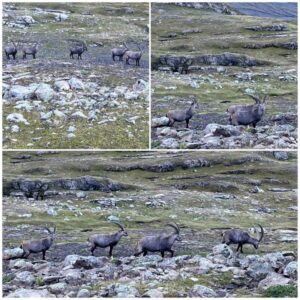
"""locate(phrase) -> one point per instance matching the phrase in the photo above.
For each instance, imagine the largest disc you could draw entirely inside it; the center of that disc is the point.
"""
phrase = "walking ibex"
(159, 243)
(107, 240)
(247, 114)
(134, 55)
(182, 115)
(37, 246)
(30, 50)
(237, 236)
(119, 52)
(11, 50)
(78, 49)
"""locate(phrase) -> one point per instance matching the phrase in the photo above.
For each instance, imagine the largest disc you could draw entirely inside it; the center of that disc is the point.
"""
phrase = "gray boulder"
(291, 270)
(201, 291)
(44, 92)
(19, 92)
(273, 279)
(58, 288)
(83, 293)
(157, 122)
(86, 262)
(16, 118)
(12, 253)
(30, 293)
(76, 84)
(61, 85)
(25, 278)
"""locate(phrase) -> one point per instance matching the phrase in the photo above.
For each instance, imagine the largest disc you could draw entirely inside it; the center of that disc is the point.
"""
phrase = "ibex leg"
(110, 250)
(93, 249)
(44, 253)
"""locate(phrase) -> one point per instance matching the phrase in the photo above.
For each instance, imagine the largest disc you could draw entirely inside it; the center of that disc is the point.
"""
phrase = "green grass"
(281, 291)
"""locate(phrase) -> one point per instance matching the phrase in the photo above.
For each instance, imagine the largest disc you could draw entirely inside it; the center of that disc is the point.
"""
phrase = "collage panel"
(151, 224)
(224, 75)
(75, 75)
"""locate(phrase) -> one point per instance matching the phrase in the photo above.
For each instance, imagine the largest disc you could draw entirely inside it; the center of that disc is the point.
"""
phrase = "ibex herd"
(161, 243)
(78, 49)
(238, 114)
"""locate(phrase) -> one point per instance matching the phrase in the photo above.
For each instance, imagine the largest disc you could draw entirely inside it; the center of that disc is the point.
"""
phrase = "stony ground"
(205, 193)
(56, 102)
(209, 37)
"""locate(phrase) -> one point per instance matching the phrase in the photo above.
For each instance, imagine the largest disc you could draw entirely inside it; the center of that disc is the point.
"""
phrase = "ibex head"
(52, 233)
(177, 231)
(259, 237)
(122, 230)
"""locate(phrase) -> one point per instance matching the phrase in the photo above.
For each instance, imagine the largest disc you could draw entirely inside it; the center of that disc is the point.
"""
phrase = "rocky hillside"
(54, 101)
(205, 193)
(226, 56)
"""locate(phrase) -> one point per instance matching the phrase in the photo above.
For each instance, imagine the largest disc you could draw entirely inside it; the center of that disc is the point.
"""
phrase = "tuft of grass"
(281, 291)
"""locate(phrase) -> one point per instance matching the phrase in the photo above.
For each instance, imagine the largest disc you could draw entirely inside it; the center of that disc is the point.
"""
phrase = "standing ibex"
(30, 50)
(237, 236)
(134, 55)
(159, 243)
(107, 240)
(119, 52)
(182, 115)
(247, 114)
(11, 50)
(37, 246)
(78, 49)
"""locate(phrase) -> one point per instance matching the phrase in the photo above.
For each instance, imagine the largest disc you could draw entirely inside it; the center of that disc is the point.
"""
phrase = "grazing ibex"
(237, 236)
(30, 50)
(247, 114)
(119, 52)
(134, 55)
(78, 49)
(159, 243)
(182, 115)
(11, 50)
(107, 240)
(37, 246)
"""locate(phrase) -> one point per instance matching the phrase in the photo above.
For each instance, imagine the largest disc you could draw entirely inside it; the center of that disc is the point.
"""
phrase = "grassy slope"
(109, 24)
(219, 34)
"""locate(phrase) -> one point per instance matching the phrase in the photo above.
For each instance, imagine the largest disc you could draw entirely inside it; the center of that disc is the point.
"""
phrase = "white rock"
(16, 118)
(76, 84)
(78, 115)
(61, 85)
(83, 293)
(30, 293)
(24, 277)
(15, 128)
(61, 17)
(44, 92)
(71, 129)
(12, 253)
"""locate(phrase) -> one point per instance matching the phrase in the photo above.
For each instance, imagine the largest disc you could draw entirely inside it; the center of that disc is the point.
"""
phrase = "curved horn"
(261, 233)
(118, 224)
(54, 229)
(257, 100)
(173, 225)
(49, 231)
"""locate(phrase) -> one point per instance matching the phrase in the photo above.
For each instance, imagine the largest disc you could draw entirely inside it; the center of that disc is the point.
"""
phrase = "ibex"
(237, 236)
(160, 243)
(11, 50)
(134, 55)
(78, 49)
(37, 246)
(107, 240)
(247, 114)
(119, 52)
(182, 115)
(30, 50)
